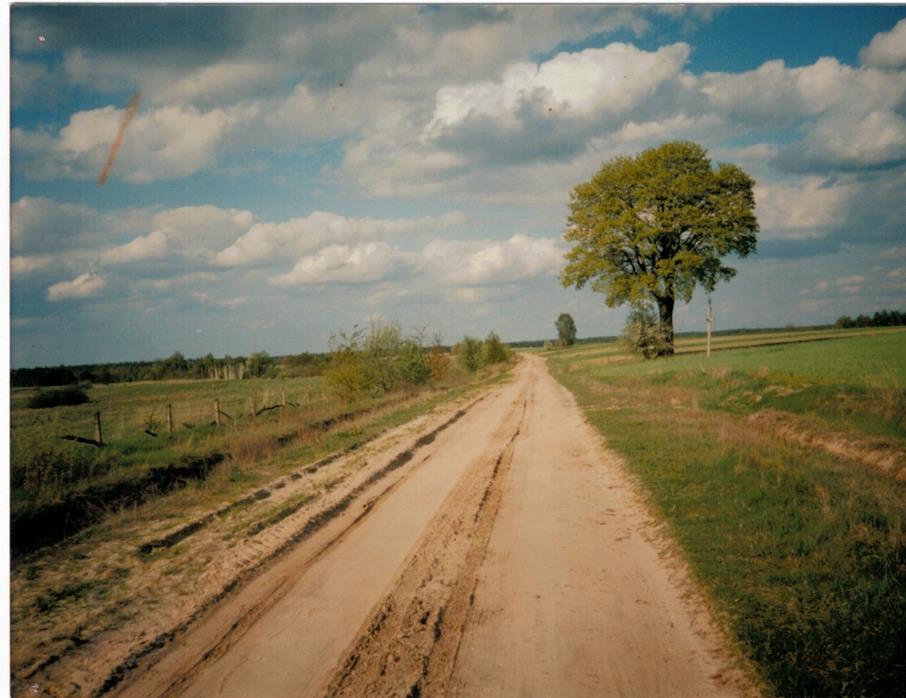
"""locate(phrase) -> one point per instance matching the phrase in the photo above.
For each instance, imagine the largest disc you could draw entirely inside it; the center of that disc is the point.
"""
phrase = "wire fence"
(121, 411)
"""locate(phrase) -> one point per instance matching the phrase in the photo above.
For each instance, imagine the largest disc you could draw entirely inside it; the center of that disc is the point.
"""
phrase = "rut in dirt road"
(510, 556)
(578, 596)
(283, 633)
(413, 638)
(553, 587)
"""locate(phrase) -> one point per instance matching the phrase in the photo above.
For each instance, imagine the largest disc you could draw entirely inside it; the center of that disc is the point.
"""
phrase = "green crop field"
(781, 471)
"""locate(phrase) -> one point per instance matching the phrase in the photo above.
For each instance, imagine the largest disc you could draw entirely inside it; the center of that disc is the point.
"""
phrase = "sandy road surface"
(509, 557)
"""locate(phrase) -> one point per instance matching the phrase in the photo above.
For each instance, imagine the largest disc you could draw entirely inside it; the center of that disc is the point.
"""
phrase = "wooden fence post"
(217, 412)
(169, 418)
(252, 402)
(97, 428)
(284, 397)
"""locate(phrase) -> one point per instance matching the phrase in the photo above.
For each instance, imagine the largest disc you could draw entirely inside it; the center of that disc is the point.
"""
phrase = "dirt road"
(509, 556)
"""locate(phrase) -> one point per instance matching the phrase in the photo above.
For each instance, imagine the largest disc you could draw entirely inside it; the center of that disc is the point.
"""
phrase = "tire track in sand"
(409, 645)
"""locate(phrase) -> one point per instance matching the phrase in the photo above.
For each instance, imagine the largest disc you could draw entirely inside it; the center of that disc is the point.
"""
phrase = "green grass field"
(802, 549)
(45, 467)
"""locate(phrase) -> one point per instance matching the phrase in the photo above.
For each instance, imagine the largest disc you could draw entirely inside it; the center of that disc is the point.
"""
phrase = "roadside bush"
(494, 351)
(469, 354)
(644, 333)
(346, 374)
(383, 360)
(58, 397)
(413, 367)
(347, 378)
(472, 354)
(438, 361)
(380, 362)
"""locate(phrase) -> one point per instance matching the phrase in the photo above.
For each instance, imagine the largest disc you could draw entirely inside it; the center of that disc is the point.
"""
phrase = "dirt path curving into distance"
(509, 557)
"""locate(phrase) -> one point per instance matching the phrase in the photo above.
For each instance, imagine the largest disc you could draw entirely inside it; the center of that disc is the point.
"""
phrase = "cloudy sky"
(293, 171)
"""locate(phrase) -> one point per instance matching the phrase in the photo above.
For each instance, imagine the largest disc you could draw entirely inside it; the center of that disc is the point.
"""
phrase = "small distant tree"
(259, 364)
(174, 365)
(644, 333)
(566, 329)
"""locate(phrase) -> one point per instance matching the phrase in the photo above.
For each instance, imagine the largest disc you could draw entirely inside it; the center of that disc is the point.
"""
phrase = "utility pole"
(710, 321)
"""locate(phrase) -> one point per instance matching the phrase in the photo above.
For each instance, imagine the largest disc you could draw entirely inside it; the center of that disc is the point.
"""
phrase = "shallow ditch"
(55, 522)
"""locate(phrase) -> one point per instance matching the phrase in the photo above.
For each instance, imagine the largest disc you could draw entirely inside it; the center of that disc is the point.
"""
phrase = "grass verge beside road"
(803, 550)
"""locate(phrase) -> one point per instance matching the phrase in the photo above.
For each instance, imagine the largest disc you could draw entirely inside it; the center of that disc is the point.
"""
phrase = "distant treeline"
(527, 343)
(260, 364)
(884, 318)
(256, 365)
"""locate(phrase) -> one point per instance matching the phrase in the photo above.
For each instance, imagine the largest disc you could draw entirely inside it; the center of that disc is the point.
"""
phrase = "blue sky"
(293, 171)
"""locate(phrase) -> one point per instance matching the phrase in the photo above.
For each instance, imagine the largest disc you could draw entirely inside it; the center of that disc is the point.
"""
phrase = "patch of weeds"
(50, 600)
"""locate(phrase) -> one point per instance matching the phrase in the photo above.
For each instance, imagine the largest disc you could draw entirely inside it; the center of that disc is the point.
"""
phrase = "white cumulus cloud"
(887, 49)
(83, 286)
(574, 85)
(21, 265)
(844, 139)
(364, 263)
(168, 142)
(269, 241)
(199, 232)
(800, 210)
(489, 262)
(151, 246)
(41, 224)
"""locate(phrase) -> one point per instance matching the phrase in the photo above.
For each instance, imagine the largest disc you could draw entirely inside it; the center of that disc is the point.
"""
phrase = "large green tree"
(647, 229)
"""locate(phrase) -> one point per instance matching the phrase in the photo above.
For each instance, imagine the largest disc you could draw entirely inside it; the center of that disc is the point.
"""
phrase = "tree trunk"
(665, 308)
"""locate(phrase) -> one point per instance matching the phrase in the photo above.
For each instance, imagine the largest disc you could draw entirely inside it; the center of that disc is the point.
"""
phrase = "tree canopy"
(648, 229)
(566, 329)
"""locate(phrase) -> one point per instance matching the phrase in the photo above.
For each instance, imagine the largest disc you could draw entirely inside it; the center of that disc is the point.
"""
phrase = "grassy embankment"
(801, 547)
